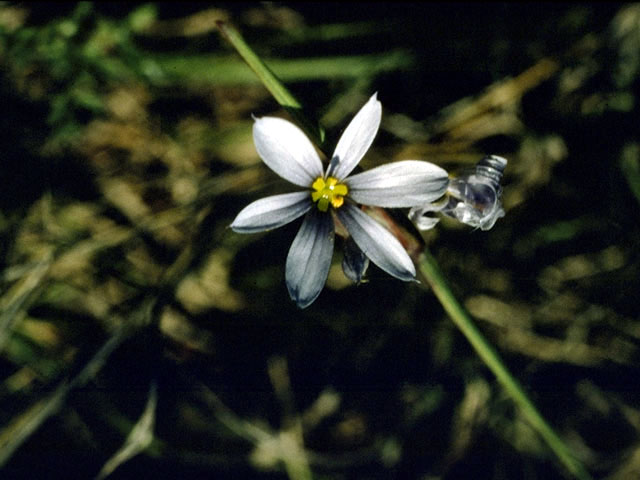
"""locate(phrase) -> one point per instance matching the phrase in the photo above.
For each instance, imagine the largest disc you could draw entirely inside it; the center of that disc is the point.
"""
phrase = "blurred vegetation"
(139, 336)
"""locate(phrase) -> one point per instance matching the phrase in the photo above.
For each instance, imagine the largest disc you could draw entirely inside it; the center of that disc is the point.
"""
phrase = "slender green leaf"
(270, 81)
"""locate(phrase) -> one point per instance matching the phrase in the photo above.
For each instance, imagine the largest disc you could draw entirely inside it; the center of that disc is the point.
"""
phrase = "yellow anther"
(327, 192)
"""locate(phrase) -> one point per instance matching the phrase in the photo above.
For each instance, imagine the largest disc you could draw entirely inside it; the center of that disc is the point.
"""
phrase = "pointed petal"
(272, 212)
(377, 243)
(309, 258)
(399, 184)
(357, 138)
(286, 150)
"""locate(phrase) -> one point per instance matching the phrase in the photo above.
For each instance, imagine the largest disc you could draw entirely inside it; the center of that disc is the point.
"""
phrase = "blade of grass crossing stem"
(271, 82)
(430, 272)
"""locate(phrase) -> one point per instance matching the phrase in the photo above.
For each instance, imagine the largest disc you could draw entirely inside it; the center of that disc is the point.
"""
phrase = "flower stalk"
(429, 272)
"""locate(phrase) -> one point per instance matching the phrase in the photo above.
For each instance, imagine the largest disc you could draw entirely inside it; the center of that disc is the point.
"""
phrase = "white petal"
(272, 212)
(286, 150)
(377, 243)
(309, 258)
(357, 138)
(399, 184)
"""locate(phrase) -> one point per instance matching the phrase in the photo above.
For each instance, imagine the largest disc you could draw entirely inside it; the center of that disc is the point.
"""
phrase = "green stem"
(282, 95)
(429, 272)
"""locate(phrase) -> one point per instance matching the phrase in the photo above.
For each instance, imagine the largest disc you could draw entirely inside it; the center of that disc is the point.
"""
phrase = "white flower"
(288, 152)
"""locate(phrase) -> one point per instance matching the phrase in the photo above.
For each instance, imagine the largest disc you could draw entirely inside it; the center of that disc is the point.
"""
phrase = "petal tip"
(409, 275)
(301, 301)
(236, 229)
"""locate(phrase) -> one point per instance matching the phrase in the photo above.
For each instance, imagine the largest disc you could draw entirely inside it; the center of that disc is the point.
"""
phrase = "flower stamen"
(328, 191)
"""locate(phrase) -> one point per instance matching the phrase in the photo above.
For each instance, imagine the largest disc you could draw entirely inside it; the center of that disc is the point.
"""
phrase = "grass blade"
(271, 82)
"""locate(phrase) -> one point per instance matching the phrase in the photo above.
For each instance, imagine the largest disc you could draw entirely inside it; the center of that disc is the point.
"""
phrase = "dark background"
(127, 152)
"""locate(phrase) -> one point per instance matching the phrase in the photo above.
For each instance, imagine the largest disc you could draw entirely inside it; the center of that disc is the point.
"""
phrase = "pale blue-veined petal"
(272, 212)
(286, 150)
(357, 138)
(400, 184)
(309, 258)
(377, 243)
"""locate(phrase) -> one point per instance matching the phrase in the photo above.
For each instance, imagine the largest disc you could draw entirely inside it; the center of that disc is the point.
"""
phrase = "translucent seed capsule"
(472, 198)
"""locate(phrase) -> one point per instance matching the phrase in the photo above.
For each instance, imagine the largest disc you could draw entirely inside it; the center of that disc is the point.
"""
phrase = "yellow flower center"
(327, 192)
